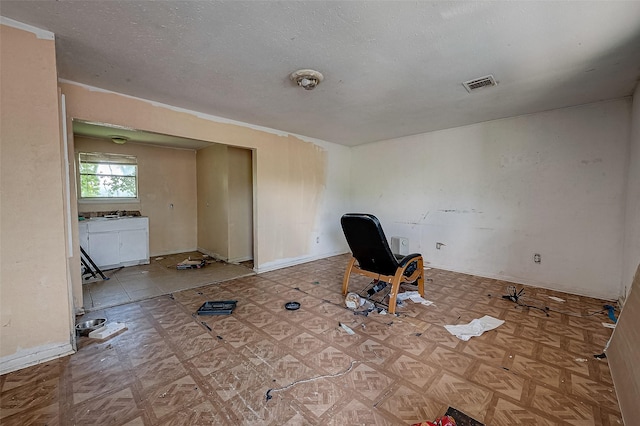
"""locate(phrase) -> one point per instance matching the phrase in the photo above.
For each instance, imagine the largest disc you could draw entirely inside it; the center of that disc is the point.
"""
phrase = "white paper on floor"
(415, 297)
(474, 328)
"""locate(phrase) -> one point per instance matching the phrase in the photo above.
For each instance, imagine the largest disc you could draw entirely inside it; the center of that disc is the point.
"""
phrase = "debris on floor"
(556, 299)
(191, 264)
(475, 328)
(360, 304)
(312, 379)
(85, 327)
(352, 300)
(346, 328)
(217, 307)
(461, 418)
(415, 297)
(440, 421)
(378, 286)
(611, 311)
(109, 330)
(292, 306)
(608, 325)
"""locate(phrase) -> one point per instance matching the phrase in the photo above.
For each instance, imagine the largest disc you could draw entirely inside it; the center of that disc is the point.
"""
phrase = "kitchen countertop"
(99, 219)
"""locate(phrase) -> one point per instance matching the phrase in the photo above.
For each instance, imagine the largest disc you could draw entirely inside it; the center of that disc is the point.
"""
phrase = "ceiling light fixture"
(307, 79)
(120, 140)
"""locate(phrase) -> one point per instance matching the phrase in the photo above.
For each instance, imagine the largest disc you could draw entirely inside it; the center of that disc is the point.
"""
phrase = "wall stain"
(597, 160)
(460, 211)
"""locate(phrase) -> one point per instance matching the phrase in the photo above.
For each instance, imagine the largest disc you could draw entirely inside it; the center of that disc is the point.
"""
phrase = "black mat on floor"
(461, 418)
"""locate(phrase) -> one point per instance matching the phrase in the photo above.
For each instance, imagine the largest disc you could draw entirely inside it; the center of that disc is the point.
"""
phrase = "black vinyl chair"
(374, 258)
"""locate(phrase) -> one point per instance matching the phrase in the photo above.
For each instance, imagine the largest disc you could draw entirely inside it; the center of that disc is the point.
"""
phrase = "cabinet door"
(133, 245)
(104, 248)
(83, 236)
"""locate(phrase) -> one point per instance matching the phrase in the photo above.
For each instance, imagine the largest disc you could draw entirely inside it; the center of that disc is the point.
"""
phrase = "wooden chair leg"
(347, 275)
(395, 287)
(421, 278)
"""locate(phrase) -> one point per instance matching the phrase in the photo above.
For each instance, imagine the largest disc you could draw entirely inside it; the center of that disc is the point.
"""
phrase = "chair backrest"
(368, 244)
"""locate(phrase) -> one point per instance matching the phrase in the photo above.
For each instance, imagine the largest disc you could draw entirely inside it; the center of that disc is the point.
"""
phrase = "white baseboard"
(168, 253)
(28, 357)
(524, 281)
(621, 301)
(212, 254)
(285, 263)
(240, 259)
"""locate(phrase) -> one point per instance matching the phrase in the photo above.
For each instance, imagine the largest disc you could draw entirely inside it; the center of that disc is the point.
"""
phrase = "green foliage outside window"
(107, 176)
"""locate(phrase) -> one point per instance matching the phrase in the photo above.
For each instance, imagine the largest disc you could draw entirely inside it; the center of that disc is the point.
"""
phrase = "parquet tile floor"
(173, 368)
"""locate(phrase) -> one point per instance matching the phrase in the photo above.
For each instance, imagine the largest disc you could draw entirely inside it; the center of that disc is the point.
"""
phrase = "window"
(107, 176)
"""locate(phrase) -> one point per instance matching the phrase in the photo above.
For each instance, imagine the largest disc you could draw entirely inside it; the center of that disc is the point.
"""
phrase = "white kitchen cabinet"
(103, 248)
(112, 243)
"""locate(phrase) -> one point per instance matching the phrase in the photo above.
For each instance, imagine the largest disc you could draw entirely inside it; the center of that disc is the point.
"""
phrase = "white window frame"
(106, 158)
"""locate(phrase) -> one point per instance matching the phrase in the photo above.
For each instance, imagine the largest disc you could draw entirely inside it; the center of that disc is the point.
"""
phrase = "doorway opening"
(199, 198)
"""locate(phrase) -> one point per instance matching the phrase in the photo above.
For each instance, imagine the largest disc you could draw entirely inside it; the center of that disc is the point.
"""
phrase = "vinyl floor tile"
(173, 367)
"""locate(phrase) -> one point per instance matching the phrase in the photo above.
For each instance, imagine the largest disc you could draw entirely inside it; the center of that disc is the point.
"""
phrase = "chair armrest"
(408, 259)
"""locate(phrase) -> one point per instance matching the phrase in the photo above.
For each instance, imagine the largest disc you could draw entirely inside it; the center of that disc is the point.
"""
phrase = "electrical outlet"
(317, 240)
(537, 258)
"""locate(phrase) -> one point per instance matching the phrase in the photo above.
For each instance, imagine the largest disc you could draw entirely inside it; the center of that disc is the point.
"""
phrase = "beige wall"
(74, 269)
(35, 311)
(225, 202)
(166, 177)
(240, 205)
(213, 206)
(291, 174)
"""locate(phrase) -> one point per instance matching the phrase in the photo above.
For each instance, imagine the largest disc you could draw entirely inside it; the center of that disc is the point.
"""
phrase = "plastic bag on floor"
(440, 421)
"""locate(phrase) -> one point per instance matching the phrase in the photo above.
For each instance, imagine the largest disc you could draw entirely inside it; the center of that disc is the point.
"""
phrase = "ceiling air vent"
(479, 83)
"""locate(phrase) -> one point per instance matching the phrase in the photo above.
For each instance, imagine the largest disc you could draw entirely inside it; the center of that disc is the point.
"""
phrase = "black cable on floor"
(515, 296)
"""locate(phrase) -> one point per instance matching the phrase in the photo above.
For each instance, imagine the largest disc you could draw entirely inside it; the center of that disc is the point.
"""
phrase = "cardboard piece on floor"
(108, 330)
(191, 264)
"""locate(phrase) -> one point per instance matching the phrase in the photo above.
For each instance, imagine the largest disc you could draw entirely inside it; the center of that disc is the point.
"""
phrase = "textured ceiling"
(391, 68)
(106, 131)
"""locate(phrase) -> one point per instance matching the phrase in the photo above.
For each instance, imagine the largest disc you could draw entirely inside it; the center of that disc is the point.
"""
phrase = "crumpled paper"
(415, 297)
(474, 328)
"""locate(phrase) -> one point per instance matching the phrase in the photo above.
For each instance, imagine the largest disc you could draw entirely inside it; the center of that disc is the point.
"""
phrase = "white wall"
(632, 214)
(327, 237)
(495, 193)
